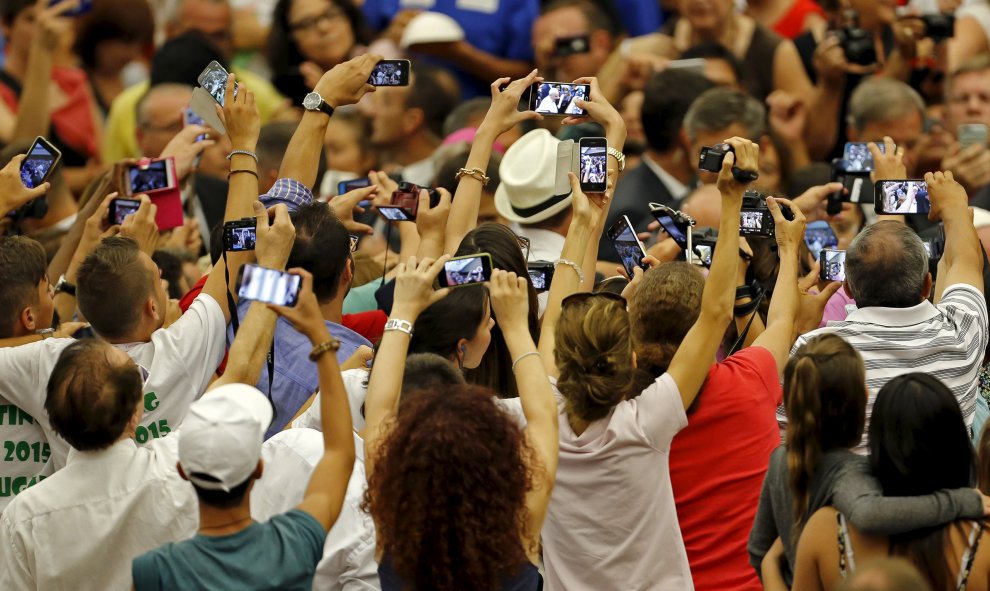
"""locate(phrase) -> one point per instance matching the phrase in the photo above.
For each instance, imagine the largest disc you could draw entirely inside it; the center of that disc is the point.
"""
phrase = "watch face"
(312, 101)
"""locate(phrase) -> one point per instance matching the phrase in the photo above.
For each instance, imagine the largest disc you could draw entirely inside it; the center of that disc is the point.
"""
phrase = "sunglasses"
(576, 298)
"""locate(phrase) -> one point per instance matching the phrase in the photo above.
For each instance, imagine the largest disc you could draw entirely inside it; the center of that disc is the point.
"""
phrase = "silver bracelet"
(243, 153)
(399, 326)
(524, 356)
(573, 265)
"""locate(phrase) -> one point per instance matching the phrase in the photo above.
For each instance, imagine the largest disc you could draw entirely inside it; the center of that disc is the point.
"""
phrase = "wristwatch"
(399, 325)
(619, 157)
(315, 102)
(64, 286)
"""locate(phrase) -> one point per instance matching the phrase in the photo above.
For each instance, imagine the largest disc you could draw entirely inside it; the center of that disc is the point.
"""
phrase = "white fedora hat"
(526, 192)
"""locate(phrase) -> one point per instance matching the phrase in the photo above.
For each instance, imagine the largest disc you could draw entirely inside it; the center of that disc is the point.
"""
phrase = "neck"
(333, 311)
(674, 163)
(214, 521)
(419, 146)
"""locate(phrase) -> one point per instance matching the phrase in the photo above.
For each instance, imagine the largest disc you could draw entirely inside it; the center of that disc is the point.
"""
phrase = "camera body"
(857, 45)
(240, 235)
(703, 244)
(540, 275)
(405, 202)
(712, 157)
(755, 218)
(939, 26)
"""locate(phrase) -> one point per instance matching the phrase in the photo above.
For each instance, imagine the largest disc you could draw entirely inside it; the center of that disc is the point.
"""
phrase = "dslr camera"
(755, 218)
(939, 26)
(857, 45)
(711, 160)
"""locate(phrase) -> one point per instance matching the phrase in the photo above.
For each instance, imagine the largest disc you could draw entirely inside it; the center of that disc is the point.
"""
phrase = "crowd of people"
(224, 366)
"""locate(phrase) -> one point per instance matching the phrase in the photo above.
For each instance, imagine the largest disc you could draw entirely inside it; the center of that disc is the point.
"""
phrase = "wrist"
(244, 146)
(317, 333)
(276, 262)
(405, 312)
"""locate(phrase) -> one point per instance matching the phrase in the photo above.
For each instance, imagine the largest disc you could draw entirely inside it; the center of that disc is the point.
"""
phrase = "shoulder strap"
(847, 562)
(969, 556)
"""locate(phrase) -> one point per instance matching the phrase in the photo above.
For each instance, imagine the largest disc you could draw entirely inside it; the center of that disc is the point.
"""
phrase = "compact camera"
(755, 218)
(939, 26)
(711, 159)
(857, 45)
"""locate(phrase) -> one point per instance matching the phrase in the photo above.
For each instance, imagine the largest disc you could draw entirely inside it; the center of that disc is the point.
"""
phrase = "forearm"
(822, 129)
(335, 411)
(302, 156)
(33, 117)
(565, 282)
(963, 250)
(242, 189)
(408, 240)
(467, 197)
(535, 393)
(719, 294)
(250, 347)
(18, 341)
(385, 384)
(66, 251)
(486, 66)
(896, 67)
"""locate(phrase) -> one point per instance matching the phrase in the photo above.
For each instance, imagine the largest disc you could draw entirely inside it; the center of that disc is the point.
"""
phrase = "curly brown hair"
(449, 488)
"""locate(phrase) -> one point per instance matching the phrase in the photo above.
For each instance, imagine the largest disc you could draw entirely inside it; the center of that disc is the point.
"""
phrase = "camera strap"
(751, 308)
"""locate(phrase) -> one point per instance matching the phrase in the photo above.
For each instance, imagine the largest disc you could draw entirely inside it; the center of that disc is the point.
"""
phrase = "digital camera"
(711, 159)
(857, 45)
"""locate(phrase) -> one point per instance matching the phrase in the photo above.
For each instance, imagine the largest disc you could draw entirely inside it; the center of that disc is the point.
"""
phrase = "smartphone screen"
(818, 235)
(858, 157)
(557, 98)
(348, 186)
(972, 133)
(120, 209)
(268, 285)
(240, 235)
(143, 178)
(467, 270)
(704, 252)
(39, 163)
(390, 73)
(670, 226)
(625, 242)
(394, 213)
(833, 265)
(213, 79)
(593, 164)
(902, 197)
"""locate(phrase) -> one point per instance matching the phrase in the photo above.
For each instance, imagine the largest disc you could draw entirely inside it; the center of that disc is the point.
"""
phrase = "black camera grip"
(744, 176)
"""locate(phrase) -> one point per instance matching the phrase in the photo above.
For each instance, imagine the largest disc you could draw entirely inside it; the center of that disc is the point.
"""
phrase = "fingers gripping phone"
(818, 236)
(268, 285)
(627, 245)
(213, 79)
(466, 270)
(121, 209)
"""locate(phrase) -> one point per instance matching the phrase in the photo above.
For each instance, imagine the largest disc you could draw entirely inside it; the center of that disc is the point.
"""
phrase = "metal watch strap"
(399, 325)
(619, 157)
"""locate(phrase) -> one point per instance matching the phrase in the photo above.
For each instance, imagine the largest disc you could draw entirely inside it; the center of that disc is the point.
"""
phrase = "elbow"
(720, 312)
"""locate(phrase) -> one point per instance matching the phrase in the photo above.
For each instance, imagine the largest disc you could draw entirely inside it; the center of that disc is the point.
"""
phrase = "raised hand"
(13, 193)
(141, 227)
(503, 114)
(789, 233)
(431, 221)
(811, 304)
(889, 164)
(600, 110)
(787, 115)
(946, 195)
(414, 286)
(240, 116)
(746, 157)
(345, 205)
(185, 149)
(305, 316)
(346, 83)
(588, 210)
(510, 300)
(275, 238)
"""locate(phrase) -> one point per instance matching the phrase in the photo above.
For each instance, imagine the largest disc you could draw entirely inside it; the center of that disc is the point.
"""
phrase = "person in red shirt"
(718, 462)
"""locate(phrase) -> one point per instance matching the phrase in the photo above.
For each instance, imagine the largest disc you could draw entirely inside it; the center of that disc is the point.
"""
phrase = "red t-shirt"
(370, 324)
(717, 465)
(792, 23)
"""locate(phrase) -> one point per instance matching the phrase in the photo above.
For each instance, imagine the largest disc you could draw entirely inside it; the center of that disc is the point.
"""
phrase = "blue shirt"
(281, 553)
(499, 27)
(639, 17)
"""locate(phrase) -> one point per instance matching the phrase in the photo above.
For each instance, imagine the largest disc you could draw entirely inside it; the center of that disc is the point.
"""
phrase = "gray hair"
(882, 99)
(464, 113)
(886, 265)
(718, 108)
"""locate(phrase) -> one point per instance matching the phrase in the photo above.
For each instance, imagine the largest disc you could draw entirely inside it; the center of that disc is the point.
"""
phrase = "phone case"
(568, 160)
(168, 200)
(203, 105)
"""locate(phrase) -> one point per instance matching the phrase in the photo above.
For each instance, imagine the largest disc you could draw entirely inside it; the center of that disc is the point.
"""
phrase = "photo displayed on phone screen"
(594, 164)
(818, 235)
(269, 286)
(466, 270)
(902, 197)
(120, 209)
(833, 265)
(858, 157)
(557, 98)
(390, 73)
(626, 244)
(38, 165)
(213, 79)
(704, 252)
(393, 213)
(150, 177)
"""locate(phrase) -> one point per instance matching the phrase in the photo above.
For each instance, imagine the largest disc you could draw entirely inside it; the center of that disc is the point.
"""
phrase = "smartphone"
(573, 45)
(673, 223)
(348, 186)
(818, 235)
(593, 167)
(83, 7)
(625, 242)
(213, 79)
(833, 265)
(901, 197)
(557, 98)
(40, 162)
(466, 270)
(696, 65)
(240, 235)
(120, 208)
(858, 158)
(268, 285)
(189, 117)
(972, 133)
(540, 275)
(390, 73)
(150, 176)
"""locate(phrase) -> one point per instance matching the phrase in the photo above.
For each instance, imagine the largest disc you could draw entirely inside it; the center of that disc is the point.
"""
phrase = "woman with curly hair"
(457, 490)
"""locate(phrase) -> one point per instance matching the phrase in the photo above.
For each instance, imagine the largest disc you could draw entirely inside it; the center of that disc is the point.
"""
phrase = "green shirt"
(281, 553)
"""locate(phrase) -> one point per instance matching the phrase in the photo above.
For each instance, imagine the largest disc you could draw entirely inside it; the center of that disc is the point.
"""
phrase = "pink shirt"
(836, 307)
(611, 523)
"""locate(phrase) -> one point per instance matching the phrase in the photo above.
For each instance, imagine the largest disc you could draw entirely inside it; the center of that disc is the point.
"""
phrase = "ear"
(461, 351)
(258, 470)
(845, 288)
(412, 120)
(182, 472)
(348, 275)
(151, 309)
(27, 319)
(926, 289)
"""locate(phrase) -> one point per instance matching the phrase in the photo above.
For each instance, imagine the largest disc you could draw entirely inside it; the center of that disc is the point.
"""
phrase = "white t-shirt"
(180, 361)
(611, 523)
(25, 453)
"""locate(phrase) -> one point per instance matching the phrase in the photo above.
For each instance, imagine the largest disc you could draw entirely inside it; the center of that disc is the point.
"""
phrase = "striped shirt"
(946, 341)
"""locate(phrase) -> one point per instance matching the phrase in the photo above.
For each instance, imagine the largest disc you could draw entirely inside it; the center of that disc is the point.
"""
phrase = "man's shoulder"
(638, 177)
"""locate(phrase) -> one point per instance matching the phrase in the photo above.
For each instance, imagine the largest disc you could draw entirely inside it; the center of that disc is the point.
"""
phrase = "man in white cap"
(220, 454)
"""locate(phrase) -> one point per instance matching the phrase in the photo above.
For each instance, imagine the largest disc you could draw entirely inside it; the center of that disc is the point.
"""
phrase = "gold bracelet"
(475, 173)
(330, 345)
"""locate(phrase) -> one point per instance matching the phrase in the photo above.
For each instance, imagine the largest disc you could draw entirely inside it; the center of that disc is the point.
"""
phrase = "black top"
(527, 578)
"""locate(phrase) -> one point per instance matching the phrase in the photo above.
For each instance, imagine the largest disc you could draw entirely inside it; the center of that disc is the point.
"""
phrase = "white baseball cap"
(431, 27)
(526, 191)
(222, 435)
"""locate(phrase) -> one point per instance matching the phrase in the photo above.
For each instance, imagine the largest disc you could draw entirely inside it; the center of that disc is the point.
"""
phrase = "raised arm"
(502, 116)
(328, 484)
(33, 115)
(13, 193)
(431, 222)
(510, 303)
(962, 261)
(413, 294)
(690, 364)
(779, 333)
(568, 275)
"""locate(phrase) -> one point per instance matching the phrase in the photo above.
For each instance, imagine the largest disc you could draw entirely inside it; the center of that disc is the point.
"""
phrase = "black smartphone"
(557, 98)
(674, 223)
(833, 265)
(348, 186)
(593, 166)
(390, 73)
(818, 235)
(858, 158)
(40, 162)
(213, 79)
(240, 235)
(268, 285)
(907, 197)
(627, 244)
(573, 45)
(540, 274)
(120, 208)
(466, 270)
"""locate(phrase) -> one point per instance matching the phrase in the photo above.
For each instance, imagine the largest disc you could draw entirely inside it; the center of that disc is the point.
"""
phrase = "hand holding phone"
(627, 245)
(466, 270)
(833, 265)
(593, 166)
(818, 236)
(390, 73)
(240, 235)
(213, 80)
(268, 285)
(121, 209)
(907, 197)
(558, 98)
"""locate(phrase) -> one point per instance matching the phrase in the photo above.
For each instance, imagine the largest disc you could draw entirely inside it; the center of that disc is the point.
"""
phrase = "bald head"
(705, 206)
(212, 18)
(159, 117)
(886, 265)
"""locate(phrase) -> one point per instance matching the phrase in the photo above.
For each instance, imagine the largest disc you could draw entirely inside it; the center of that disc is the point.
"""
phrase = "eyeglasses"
(332, 15)
(523, 245)
(577, 298)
